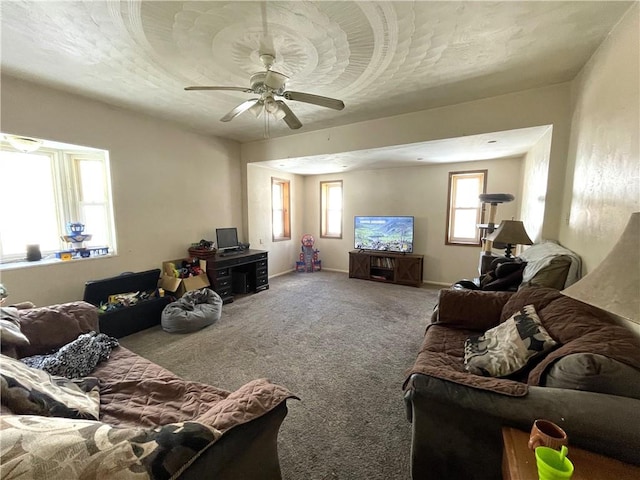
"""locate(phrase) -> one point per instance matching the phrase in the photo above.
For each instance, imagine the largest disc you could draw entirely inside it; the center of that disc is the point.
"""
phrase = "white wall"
(535, 179)
(417, 191)
(537, 107)
(283, 253)
(603, 168)
(170, 187)
(602, 185)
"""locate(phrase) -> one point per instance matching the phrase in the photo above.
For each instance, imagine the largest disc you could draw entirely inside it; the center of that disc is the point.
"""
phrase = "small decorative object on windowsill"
(76, 237)
(33, 253)
(614, 284)
(510, 233)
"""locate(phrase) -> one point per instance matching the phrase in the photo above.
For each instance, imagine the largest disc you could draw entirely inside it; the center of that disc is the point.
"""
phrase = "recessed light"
(419, 158)
(492, 141)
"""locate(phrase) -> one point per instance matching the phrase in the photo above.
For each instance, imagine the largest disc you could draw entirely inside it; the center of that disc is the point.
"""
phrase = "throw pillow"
(594, 373)
(26, 390)
(64, 448)
(509, 347)
(10, 333)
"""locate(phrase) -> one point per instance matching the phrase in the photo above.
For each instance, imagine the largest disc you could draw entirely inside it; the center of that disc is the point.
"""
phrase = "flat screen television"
(227, 238)
(387, 233)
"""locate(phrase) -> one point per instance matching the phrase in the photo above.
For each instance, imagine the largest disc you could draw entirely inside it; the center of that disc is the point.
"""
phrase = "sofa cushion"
(471, 309)
(577, 327)
(49, 328)
(554, 275)
(26, 390)
(11, 337)
(509, 347)
(33, 445)
(595, 373)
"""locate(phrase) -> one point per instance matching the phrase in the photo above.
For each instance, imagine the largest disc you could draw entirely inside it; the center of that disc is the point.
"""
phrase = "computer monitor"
(227, 238)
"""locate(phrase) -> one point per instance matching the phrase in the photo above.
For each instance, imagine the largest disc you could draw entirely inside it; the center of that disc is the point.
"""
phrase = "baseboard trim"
(438, 284)
(337, 270)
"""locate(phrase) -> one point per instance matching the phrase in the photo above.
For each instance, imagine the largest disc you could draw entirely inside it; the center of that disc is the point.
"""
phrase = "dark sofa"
(589, 384)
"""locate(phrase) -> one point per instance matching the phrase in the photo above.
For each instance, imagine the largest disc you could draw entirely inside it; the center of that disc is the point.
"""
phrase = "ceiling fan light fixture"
(257, 109)
(270, 105)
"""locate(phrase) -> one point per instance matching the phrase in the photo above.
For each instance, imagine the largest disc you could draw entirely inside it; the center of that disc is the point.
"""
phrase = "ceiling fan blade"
(237, 89)
(275, 80)
(243, 107)
(289, 118)
(314, 99)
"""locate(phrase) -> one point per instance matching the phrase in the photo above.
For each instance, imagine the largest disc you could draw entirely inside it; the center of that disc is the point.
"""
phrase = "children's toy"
(76, 237)
(309, 261)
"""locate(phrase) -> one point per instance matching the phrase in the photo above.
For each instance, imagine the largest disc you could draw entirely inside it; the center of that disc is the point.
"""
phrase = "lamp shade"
(614, 285)
(511, 232)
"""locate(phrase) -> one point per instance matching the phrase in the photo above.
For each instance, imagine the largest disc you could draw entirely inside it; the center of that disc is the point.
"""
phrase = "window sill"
(19, 264)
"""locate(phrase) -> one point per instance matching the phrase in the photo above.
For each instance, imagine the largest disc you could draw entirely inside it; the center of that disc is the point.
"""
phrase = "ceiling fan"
(270, 85)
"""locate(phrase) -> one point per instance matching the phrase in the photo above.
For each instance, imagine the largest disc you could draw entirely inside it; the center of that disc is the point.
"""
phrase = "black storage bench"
(127, 320)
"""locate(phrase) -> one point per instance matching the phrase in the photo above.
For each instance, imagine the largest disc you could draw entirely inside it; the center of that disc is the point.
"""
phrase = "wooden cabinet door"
(359, 265)
(409, 270)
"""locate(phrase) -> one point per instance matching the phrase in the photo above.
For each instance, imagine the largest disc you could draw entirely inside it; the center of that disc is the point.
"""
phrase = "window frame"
(65, 180)
(451, 208)
(285, 192)
(325, 208)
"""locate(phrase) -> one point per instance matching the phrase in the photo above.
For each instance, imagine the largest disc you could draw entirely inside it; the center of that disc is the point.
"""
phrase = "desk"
(519, 462)
(242, 272)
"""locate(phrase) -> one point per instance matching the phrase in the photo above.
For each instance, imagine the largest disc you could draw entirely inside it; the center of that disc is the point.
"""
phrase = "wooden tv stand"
(242, 272)
(391, 267)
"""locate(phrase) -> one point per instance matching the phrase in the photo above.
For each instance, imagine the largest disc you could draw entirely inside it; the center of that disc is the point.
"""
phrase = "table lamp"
(510, 233)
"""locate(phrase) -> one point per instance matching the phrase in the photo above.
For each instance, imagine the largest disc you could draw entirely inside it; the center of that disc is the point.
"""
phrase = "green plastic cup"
(553, 464)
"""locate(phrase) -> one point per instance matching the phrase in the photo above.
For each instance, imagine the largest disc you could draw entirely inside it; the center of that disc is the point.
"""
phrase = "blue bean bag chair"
(194, 310)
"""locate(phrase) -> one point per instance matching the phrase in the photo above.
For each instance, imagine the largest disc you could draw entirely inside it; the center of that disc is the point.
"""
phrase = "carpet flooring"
(342, 345)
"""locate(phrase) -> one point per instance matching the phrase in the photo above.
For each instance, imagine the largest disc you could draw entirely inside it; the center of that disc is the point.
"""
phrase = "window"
(44, 190)
(280, 221)
(331, 209)
(464, 211)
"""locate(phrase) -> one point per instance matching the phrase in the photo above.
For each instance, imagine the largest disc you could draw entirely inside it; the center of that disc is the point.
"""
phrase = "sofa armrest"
(456, 431)
(49, 328)
(470, 309)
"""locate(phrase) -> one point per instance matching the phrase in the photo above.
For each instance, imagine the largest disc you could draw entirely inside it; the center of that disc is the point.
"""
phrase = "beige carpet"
(342, 345)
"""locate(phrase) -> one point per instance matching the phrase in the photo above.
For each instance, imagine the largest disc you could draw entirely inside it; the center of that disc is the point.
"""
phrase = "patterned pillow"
(10, 333)
(507, 348)
(68, 448)
(26, 390)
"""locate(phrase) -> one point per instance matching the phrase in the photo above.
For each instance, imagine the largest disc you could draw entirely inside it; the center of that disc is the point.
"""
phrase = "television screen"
(227, 238)
(393, 234)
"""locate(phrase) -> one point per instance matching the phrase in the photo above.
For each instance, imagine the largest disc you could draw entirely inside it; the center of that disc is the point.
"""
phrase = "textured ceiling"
(380, 58)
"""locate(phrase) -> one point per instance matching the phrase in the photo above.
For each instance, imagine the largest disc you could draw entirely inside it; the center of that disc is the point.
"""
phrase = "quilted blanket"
(152, 425)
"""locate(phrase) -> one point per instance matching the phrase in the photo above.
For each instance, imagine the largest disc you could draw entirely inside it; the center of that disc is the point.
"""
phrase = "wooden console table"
(402, 268)
(519, 462)
(241, 272)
